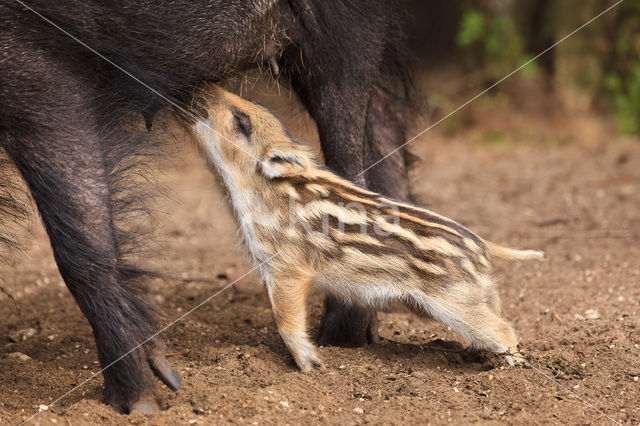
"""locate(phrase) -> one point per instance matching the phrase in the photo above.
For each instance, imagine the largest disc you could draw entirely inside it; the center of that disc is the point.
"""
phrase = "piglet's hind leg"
(476, 321)
(486, 330)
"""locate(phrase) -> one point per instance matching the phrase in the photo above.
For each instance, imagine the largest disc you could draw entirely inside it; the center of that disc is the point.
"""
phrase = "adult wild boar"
(70, 71)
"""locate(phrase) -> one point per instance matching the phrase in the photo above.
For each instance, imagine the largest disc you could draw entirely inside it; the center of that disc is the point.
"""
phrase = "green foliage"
(493, 37)
(495, 44)
(622, 82)
(471, 28)
(625, 97)
(493, 137)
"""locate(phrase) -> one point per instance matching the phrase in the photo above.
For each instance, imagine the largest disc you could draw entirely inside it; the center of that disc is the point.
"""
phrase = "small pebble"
(22, 335)
(358, 410)
(591, 314)
(20, 356)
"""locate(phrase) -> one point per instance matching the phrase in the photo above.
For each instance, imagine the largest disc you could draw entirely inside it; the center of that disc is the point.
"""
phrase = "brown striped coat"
(304, 226)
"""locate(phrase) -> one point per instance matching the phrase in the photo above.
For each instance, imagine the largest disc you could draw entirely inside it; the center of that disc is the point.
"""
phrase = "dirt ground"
(565, 185)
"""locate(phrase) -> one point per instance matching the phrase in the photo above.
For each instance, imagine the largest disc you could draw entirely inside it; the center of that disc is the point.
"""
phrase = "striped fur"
(304, 226)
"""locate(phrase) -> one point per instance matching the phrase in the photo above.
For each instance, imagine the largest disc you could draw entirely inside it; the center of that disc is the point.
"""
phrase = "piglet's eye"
(242, 122)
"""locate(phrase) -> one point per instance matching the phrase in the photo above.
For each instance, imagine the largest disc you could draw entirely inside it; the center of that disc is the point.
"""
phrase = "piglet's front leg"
(288, 292)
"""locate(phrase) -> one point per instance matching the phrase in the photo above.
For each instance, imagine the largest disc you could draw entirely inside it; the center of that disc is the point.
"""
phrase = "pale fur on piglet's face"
(245, 141)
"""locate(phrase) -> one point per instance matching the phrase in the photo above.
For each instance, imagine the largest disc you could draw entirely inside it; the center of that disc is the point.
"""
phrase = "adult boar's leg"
(55, 143)
(386, 165)
(335, 67)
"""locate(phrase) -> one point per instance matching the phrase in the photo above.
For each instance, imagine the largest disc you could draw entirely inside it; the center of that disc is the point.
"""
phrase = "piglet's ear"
(284, 161)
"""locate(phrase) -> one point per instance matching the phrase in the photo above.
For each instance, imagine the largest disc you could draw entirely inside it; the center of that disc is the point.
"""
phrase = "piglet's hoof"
(310, 361)
(513, 358)
(144, 406)
(163, 370)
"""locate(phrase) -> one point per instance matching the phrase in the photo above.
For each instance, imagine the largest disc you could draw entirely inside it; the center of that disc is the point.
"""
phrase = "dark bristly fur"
(61, 122)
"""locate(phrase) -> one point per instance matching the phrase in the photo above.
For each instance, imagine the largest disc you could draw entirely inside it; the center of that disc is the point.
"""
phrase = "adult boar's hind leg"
(342, 52)
(385, 160)
(385, 132)
(59, 154)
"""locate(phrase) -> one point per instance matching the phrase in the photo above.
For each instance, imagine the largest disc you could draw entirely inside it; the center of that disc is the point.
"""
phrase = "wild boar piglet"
(304, 226)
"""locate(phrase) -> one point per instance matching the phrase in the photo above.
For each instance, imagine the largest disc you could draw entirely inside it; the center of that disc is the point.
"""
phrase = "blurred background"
(478, 42)
(586, 88)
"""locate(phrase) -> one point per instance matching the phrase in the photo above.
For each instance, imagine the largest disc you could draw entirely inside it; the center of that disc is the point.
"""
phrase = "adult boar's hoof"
(144, 406)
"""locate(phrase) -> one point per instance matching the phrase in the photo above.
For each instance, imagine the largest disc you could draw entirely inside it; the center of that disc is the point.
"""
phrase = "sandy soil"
(566, 187)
